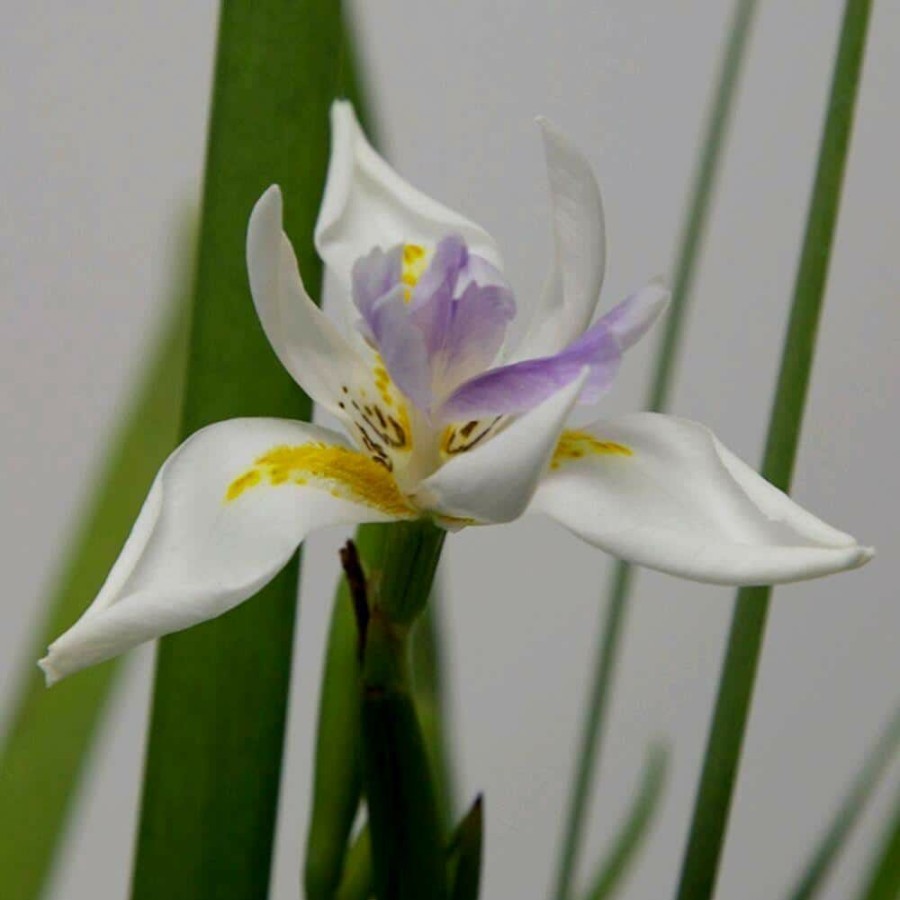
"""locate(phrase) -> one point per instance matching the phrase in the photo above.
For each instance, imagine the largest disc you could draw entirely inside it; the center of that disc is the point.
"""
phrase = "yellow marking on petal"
(347, 474)
(578, 444)
(239, 485)
(415, 261)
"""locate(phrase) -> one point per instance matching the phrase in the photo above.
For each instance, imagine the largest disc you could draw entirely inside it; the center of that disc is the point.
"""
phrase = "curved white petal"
(569, 299)
(224, 515)
(367, 205)
(320, 359)
(495, 481)
(683, 504)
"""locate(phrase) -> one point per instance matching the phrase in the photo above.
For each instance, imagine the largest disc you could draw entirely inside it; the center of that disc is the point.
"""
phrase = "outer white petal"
(367, 205)
(306, 341)
(570, 296)
(192, 554)
(684, 504)
(495, 481)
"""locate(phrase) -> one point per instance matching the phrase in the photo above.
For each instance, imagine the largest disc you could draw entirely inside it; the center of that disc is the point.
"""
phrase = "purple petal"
(474, 333)
(431, 304)
(402, 347)
(520, 386)
(630, 320)
(374, 276)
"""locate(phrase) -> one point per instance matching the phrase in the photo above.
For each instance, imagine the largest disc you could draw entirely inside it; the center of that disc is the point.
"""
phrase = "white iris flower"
(437, 426)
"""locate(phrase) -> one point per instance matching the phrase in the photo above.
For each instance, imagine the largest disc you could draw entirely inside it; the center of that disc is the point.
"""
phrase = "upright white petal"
(318, 356)
(664, 493)
(570, 295)
(224, 515)
(367, 205)
(494, 481)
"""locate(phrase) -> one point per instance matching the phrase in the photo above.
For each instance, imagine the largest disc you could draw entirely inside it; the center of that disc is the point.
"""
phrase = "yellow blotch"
(346, 473)
(578, 444)
(415, 261)
(239, 485)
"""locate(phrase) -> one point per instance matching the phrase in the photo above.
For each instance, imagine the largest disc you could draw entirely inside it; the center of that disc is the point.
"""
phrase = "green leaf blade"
(50, 733)
(215, 746)
(687, 257)
(713, 802)
(635, 828)
(834, 839)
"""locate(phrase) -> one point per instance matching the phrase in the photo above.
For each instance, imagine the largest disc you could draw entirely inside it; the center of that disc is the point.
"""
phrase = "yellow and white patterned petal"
(664, 493)
(225, 513)
(493, 480)
(367, 205)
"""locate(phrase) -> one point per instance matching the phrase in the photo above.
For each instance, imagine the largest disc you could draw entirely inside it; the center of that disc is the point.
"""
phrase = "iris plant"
(441, 421)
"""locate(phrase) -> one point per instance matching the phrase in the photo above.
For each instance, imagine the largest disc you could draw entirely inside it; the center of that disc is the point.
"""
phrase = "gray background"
(103, 111)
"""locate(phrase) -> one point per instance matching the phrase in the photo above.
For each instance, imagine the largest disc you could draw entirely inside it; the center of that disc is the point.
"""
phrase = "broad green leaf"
(848, 815)
(723, 750)
(50, 733)
(635, 828)
(217, 726)
(693, 231)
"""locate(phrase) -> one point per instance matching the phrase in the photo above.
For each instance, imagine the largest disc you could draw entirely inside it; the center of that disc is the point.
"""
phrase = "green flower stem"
(337, 777)
(217, 727)
(404, 814)
(402, 580)
(701, 862)
(430, 698)
(51, 732)
(693, 232)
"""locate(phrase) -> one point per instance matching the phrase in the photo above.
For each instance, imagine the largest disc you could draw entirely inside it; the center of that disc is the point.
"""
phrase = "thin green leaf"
(215, 746)
(884, 878)
(693, 231)
(848, 815)
(51, 732)
(723, 750)
(635, 828)
(465, 852)
(357, 881)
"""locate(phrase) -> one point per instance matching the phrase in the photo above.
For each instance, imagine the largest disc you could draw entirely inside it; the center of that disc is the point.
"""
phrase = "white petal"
(495, 481)
(570, 296)
(206, 540)
(683, 504)
(367, 205)
(320, 359)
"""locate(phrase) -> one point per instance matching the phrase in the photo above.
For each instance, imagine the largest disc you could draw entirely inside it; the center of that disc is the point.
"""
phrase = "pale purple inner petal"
(373, 277)
(450, 327)
(520, 386)
(630, 320)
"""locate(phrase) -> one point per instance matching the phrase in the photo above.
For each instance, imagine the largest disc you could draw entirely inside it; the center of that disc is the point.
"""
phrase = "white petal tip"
(269, 203)
(51, 675)
(866, 554)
